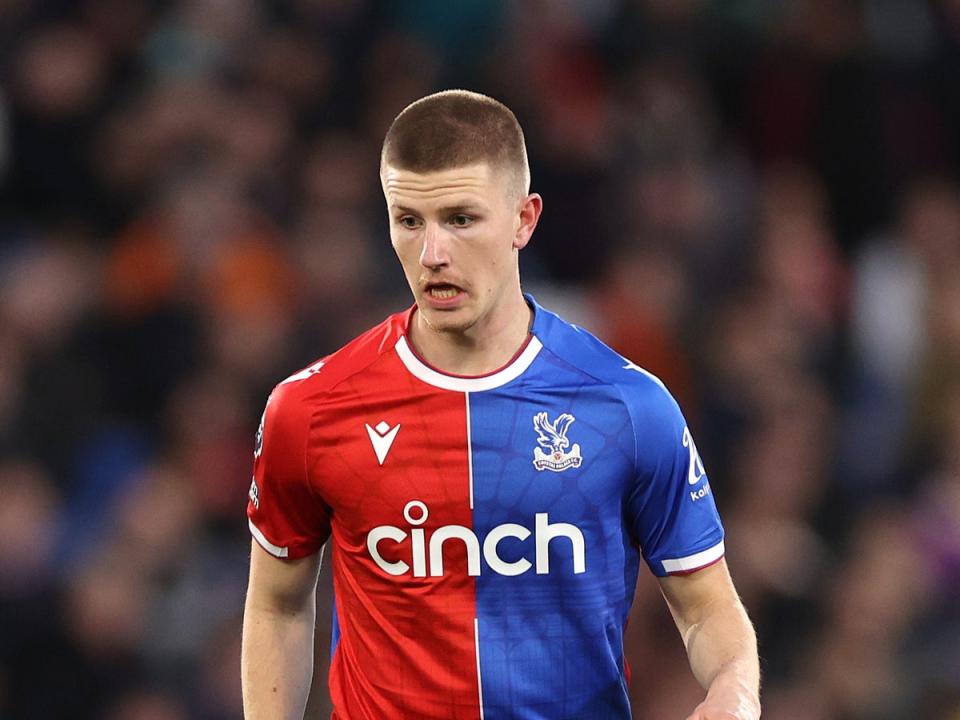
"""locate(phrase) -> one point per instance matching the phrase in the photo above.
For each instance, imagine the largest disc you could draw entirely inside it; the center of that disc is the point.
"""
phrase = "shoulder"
(305, 387)
(641, 390)
(657, 422)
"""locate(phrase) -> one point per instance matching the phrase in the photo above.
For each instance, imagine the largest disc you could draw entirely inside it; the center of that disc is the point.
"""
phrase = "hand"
(707, 711)
(714, 710)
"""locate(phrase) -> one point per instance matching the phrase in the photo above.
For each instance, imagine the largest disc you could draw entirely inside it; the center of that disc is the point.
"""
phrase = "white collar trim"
(467, 384)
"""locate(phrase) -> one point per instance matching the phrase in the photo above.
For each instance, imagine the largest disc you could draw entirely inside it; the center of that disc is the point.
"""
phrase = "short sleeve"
(286, 517)
(671, 507)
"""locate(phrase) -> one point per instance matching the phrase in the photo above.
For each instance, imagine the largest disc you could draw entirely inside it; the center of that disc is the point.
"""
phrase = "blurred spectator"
(29, 517)
(904, 335)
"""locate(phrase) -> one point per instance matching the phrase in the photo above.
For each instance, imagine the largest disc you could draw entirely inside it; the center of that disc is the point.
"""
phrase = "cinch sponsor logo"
(426, 554)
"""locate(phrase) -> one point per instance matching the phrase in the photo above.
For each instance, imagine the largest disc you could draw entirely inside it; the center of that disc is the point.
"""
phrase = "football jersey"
(485, 533)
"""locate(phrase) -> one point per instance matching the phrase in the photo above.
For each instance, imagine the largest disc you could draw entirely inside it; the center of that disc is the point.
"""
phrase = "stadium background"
(755, 199)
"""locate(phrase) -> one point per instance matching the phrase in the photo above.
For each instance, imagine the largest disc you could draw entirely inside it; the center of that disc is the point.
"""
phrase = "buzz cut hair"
(454, 128)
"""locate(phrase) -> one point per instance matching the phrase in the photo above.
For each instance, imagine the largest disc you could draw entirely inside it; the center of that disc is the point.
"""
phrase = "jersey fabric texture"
(485, 533)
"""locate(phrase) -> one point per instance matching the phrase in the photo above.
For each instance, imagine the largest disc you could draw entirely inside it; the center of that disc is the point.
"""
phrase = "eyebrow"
(447, 210)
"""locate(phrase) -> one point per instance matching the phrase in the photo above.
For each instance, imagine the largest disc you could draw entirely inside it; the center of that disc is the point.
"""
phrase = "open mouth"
(442, 291)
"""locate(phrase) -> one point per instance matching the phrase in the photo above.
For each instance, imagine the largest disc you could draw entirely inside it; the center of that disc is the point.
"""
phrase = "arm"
(720, 642)
(276, 662)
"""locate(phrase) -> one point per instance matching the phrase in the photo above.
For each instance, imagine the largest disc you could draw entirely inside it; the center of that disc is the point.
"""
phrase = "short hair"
(454, 128)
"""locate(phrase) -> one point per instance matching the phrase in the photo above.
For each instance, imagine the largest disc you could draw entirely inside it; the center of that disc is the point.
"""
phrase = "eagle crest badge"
(552, 438)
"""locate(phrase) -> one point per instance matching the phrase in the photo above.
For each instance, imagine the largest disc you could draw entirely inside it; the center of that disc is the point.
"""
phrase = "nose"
(435, 252)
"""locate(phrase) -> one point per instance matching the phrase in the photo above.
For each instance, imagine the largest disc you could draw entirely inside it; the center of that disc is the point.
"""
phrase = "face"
(457, 234)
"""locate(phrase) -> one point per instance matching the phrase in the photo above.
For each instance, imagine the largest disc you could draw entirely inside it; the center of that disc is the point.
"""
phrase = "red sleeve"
(286, 516)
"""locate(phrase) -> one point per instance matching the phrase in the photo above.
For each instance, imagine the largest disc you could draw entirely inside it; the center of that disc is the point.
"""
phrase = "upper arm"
(670, 505)
(282, 585)
(691, 597)
(286, 515)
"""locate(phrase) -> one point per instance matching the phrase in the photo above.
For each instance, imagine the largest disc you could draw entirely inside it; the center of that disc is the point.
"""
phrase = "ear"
(530, 208)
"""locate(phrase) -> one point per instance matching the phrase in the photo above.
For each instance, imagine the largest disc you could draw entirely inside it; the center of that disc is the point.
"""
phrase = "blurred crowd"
(755, 199)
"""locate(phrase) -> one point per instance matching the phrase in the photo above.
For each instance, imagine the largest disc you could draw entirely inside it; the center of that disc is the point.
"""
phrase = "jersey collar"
(463, 383)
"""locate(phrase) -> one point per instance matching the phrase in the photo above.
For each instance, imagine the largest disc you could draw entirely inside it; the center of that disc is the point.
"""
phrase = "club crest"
(552, 437)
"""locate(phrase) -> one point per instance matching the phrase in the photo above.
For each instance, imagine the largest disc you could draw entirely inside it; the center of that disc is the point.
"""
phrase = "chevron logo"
(382, 437)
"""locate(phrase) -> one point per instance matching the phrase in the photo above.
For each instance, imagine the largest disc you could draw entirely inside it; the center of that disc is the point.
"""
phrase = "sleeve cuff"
(275, 550)
(694, 562)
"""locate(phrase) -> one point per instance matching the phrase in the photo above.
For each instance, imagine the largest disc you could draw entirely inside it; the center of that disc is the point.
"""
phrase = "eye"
(461, 221)
(409, 222)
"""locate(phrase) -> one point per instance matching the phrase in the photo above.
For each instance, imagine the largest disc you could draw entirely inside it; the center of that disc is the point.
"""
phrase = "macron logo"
(382, 437)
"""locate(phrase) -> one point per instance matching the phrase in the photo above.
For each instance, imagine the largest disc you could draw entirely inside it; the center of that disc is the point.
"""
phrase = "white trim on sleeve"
(274, 550)
(694, 562)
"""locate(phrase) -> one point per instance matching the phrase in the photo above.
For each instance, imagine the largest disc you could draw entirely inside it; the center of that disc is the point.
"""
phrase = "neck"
(486, 346)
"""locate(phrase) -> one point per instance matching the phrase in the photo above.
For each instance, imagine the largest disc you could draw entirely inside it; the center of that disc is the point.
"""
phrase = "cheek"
(405, 250)
(495, 266)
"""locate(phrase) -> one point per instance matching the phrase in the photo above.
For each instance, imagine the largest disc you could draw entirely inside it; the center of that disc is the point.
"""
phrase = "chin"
(457, 321)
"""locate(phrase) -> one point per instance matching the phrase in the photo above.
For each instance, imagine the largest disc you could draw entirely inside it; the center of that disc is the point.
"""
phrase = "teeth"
(443, 293)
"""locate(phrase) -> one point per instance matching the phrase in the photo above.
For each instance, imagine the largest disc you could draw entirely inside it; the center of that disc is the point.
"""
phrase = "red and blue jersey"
(485, 533)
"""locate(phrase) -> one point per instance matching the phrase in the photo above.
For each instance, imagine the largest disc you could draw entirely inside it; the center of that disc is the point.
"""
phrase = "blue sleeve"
(671, 508)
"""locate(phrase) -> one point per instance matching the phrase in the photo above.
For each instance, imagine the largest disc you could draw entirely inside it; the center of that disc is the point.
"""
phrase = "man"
(487, 477)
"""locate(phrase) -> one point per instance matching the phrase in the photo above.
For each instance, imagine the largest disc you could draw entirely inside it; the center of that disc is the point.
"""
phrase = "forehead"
(477, 181)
